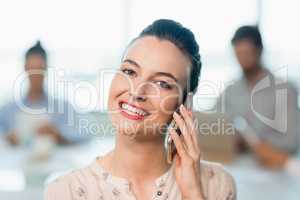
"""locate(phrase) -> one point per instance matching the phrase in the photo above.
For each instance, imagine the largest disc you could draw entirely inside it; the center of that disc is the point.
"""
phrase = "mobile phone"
(171, 149)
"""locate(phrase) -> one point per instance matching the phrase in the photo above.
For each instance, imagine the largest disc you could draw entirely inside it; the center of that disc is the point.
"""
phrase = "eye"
(164, 85)
(129, 72)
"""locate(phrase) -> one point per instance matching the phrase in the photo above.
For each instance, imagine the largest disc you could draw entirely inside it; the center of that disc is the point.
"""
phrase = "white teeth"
(133, 110)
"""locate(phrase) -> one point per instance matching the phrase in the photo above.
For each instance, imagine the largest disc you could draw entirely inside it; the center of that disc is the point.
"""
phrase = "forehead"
(244, 44)
(35, 58)
(156, 55)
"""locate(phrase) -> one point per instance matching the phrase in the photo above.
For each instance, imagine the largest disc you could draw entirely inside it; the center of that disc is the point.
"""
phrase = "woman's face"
(148, 87)
(35, 66)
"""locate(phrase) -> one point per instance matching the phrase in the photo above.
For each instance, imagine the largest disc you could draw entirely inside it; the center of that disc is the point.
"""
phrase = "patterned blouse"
(95, 183)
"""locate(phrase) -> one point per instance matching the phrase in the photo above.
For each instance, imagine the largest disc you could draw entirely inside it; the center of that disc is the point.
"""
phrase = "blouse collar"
(160, 182)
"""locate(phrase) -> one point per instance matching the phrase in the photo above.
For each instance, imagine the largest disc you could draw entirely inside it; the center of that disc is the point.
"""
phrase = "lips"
(132, 111)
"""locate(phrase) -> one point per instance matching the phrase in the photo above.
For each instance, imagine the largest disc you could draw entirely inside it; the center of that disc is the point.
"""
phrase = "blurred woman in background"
(36, 113)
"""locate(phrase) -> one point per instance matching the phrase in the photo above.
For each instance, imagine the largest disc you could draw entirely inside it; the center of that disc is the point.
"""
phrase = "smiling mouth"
(132, 112)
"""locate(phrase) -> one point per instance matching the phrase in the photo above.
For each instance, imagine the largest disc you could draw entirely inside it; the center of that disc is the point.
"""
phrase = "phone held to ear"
(171, 149)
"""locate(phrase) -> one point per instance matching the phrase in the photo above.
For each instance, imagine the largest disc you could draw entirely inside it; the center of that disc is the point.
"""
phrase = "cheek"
(244, 58)
(247, 57)
(165, 106)
(118, 85)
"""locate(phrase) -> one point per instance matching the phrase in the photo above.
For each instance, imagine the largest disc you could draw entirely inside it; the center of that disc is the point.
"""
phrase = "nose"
(138, 93)
(137, 96)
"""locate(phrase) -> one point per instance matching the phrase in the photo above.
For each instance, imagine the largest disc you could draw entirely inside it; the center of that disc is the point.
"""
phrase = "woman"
(19, 118)
(158, 68)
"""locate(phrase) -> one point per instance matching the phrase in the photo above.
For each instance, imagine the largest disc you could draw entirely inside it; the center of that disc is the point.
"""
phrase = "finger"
(190, 126)
(178, 143)
(195, 133)
(185, 132)
(177, 160)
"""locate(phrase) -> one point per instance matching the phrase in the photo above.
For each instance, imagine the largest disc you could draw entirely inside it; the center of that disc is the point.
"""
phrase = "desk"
(20, 180)
(255, 182)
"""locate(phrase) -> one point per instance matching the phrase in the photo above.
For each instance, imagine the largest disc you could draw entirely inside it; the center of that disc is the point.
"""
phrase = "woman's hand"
(13, 139)
(52, 131)
(187, 159)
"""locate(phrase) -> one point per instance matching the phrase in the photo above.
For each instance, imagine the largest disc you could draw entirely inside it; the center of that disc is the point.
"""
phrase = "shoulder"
(217, 181)
(9, 107)
(73, 185)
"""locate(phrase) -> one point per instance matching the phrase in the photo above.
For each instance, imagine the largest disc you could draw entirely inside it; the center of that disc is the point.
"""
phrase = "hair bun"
(38, 44)
(38, 49)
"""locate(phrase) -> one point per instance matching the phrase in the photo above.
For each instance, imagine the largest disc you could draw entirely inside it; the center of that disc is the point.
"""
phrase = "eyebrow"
(167, 74)
(131, 62)
(155, 74)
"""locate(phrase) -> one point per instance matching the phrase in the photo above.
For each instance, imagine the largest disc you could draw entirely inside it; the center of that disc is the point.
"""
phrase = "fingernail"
(181, 108)
(175, 114)
(172, 132)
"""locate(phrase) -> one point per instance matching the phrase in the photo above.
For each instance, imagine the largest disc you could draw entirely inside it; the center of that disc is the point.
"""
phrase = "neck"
(254, 75)
(35, 94)
(139, 161)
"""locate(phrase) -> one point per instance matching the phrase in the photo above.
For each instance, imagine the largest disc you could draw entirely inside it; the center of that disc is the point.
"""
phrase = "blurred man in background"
(18, 120)
(259, 100)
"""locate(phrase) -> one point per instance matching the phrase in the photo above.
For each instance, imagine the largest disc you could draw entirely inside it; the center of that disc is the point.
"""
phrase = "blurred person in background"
(21, 125)
(255, 97)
